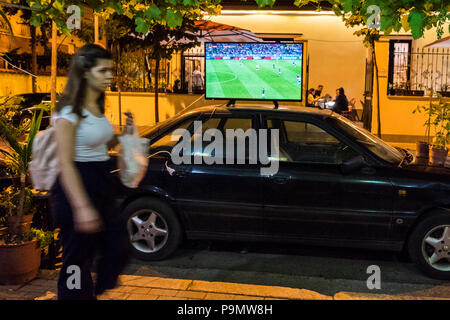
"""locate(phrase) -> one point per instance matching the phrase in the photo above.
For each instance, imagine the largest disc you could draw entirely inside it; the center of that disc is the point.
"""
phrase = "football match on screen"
(254, 71)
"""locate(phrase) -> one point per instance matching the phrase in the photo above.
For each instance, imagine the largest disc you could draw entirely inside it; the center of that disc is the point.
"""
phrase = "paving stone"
(164, 292)
(43, 283)
(218, 296)
(170, 298)
(49, 295)
(6, 288)
(238, 297)
(124, 289)
(155, 282)
(191, 295)
(140, 290)
(113, 296)
(141, 297)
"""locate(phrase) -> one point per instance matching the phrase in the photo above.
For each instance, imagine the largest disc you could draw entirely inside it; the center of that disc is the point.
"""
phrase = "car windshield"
(370, 141)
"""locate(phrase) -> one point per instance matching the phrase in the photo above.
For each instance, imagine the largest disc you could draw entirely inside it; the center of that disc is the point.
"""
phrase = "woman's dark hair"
(311, 90)
(75, 90)
(341, 91)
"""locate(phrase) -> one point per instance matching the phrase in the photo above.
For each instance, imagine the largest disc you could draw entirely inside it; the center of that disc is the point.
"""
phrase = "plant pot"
(417, 93)
(19, 263)
(444, 93)
(438, 157)
(25, 223)
(422, 153)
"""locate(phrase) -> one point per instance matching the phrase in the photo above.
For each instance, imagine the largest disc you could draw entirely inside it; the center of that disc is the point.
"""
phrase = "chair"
(354, 113)
(348, 115)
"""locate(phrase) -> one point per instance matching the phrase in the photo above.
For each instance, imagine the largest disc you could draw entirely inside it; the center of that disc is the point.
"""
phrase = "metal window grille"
(413, 72)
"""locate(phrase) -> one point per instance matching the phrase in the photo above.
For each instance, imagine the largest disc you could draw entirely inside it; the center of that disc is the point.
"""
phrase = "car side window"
(223, 124)
(166, 141)
(304, 142)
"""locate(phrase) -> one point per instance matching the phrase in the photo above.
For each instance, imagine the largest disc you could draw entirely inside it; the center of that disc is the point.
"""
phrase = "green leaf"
(141, 25)
(187, 2)
(348, 5)
(172, 2)
(263, 3)
(153, 13)
(416, 20)
(35, 20)
(174, 19)
(386, 22)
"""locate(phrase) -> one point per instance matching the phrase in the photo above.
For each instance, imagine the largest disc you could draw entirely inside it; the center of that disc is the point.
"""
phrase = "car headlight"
(10, 115)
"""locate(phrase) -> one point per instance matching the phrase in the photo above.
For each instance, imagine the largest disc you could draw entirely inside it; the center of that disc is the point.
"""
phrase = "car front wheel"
(429, 246)
(154, 231)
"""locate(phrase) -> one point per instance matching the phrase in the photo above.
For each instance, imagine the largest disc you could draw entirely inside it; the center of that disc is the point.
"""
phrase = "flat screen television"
(254, 71)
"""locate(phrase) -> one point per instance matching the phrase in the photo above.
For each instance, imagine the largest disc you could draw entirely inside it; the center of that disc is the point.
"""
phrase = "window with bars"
(413, 71)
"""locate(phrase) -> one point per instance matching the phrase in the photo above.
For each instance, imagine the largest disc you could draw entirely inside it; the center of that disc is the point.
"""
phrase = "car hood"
(429, 173)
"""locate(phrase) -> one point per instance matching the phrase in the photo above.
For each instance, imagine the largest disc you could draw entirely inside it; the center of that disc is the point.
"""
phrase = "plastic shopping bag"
(132, 160)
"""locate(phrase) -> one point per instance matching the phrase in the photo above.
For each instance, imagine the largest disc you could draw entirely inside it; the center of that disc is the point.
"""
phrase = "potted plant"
(422, 147)
(444, 90)
(20, 251)
(441, 122)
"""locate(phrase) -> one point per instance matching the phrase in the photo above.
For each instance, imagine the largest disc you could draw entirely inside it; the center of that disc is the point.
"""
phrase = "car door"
(311, 199)
(223, 199)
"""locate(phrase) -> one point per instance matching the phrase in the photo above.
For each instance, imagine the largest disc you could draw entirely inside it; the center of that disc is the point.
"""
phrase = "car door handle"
(181, 172)
(281, 180)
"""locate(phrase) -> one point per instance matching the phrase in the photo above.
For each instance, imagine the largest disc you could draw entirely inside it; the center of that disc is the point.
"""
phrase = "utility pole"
(54, 66)
(95, 28)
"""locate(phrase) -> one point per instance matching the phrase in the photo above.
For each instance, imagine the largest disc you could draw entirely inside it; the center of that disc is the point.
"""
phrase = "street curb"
(223, 288)
(131, 287)
(376, 296)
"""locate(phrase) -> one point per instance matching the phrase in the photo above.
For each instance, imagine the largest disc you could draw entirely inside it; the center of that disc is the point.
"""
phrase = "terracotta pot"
(421, 161)
(25, 223)
(438, 157)
(422, 149)
(19, 263)
(422, 153)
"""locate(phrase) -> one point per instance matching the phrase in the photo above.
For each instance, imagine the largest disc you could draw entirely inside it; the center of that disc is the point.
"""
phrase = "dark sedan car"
(335, 185)
(27, 108)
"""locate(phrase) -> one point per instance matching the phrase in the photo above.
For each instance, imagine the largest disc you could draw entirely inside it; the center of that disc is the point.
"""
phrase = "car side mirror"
(353, 164)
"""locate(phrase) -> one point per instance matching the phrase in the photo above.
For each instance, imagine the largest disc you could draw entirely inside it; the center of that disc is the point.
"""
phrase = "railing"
(412, 73)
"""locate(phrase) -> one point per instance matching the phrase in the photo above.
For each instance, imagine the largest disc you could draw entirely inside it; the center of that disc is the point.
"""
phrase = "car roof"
(221, 109)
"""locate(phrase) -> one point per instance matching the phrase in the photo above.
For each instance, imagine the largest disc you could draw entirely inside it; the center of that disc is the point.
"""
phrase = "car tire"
(426, 240)
(154, 231)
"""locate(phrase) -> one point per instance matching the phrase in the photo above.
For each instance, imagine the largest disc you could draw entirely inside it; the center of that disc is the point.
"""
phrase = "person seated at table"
(311, 100)
(318, 92)
(341, 101)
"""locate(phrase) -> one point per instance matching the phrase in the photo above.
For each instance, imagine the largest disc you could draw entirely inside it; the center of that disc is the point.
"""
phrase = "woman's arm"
(129, 123)
(113, 142)
(86, 218)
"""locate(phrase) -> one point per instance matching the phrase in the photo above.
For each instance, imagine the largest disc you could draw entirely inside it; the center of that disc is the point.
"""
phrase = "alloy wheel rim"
(26, 122)
(436, 248)
(147, 230)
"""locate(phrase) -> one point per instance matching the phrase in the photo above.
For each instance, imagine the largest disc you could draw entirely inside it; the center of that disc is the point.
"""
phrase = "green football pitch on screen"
(265, 79)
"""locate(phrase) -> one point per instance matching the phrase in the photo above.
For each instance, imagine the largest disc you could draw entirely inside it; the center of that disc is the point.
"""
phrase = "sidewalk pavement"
(130, 287)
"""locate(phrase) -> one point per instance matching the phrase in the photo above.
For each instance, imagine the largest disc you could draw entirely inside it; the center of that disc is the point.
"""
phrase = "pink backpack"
(43, 166)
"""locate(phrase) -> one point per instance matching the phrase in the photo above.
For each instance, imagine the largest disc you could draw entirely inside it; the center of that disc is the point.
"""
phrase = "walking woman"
(82, 199)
